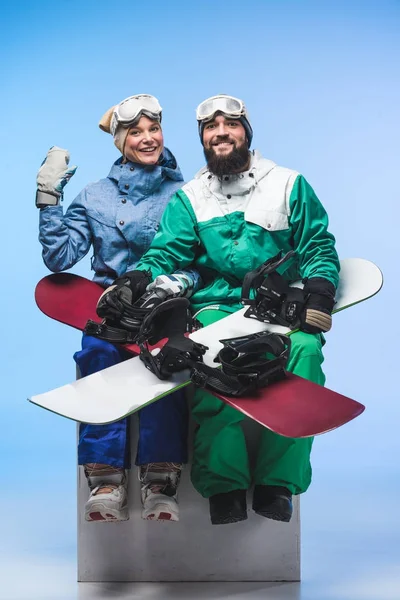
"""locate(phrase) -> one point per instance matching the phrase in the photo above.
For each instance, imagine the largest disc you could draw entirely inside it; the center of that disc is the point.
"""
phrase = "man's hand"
(125, 290)
(172, 286)
(53, 176)
(316, 316)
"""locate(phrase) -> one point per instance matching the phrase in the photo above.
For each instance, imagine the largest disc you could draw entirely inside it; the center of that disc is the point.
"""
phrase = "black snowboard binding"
(129, 326)
(269, 296)
(247, 364)
(173, 320)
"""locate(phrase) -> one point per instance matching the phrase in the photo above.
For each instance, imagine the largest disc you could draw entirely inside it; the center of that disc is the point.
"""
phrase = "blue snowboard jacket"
(117, 216)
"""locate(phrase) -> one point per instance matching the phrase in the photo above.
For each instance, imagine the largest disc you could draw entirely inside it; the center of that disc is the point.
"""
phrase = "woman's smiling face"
(144, 142)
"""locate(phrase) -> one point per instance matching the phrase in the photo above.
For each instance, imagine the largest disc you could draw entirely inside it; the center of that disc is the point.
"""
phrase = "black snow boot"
(273, 502)
(229, 507)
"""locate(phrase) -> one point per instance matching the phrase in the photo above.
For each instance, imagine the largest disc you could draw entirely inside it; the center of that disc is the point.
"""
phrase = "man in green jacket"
(238, 211)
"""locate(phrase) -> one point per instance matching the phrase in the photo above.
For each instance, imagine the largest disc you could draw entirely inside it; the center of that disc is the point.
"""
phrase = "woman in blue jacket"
(118, 217)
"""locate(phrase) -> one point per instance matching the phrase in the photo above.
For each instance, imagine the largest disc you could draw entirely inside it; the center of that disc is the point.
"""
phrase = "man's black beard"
(235, 162)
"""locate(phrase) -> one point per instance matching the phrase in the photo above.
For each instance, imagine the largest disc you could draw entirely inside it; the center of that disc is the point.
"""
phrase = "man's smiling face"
(225, 145)
(223, 134)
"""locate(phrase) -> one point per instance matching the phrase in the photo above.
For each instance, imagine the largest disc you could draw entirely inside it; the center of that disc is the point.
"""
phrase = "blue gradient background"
(321, 81)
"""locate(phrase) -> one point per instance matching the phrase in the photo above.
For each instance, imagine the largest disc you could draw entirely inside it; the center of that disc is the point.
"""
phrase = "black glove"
(125, 290)
(320, 300)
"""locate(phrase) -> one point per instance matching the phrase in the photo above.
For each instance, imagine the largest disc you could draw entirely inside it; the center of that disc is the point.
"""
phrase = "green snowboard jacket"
(226, 227)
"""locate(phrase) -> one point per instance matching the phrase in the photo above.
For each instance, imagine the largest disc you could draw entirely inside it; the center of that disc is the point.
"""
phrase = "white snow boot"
(108, 499)
(159, 483)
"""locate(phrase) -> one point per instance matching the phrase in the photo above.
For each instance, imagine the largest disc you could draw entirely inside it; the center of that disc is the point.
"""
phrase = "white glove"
(52, 176)
(172, 286)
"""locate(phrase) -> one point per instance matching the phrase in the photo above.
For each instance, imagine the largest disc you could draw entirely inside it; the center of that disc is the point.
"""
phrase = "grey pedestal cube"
(192, 549)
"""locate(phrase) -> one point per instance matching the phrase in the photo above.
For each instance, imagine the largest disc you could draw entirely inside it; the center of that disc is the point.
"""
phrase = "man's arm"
(175, 244)
(318, 260)
(173, 248)
(313, 243)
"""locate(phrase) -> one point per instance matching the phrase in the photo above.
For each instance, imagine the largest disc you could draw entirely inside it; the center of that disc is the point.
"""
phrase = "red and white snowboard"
(293, 407)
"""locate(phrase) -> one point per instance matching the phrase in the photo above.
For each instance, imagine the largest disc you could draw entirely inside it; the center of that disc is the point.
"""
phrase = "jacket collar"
(239, 183)
(137, 174)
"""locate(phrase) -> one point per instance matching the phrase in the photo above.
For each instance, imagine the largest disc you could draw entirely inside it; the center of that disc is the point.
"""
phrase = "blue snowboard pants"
(163, 425)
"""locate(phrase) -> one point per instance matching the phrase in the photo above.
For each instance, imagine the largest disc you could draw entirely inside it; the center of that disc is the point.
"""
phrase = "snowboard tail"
(72, 300)
(282, 407)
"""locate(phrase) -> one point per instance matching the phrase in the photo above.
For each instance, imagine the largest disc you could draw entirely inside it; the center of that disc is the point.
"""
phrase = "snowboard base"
(282, 407)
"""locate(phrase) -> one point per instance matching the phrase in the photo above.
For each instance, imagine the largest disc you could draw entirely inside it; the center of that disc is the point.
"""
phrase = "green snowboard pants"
(220, 459)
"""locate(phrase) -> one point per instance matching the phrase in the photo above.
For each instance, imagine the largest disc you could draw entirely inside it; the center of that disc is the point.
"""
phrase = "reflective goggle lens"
(227, 104)
(128, 110)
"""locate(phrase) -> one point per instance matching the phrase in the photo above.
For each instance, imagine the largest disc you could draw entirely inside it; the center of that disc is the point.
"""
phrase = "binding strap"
(107, 332)
(126, 329)
(248, 363)
(173, 320)
(269, 296)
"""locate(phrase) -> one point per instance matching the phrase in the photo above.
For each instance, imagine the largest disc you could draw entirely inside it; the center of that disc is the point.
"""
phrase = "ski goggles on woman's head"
(229, 105)
(127, 111)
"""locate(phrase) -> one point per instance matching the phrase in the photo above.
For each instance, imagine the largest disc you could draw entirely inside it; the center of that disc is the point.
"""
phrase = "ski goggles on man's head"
(127, 111)
(229, 105)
